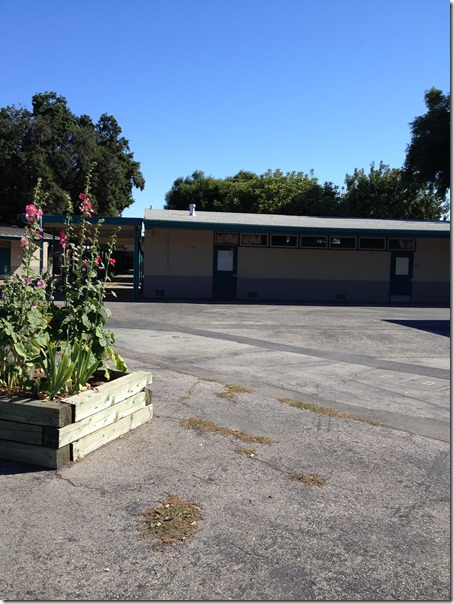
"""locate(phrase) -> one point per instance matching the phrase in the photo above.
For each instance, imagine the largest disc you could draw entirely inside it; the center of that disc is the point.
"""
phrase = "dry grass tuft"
(230, 396)
(174, 521)
(244, 451)
(327, 411)
(196, 423)
(313, 480)
(231, 390)
(237, 389)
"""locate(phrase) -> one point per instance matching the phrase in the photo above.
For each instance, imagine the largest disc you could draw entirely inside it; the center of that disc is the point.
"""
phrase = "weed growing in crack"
(231, 390)
(327, 411)
(197, 423)
(244, 451)
(313, 480)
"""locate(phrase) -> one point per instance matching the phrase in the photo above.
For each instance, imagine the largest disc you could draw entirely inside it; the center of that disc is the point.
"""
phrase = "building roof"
(9, 231)
(260, 223)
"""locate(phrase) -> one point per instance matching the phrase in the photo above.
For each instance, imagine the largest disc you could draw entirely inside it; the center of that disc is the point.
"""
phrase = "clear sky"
(229, 85)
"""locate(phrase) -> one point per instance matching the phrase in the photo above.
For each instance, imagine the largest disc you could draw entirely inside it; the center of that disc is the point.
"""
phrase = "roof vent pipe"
(192, 209)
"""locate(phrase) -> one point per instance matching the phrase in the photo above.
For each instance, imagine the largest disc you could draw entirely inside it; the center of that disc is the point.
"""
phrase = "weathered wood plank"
(33, 454)
(91, 401)
(31, 411)
(103, 418)
(20, 432)
(95, 440)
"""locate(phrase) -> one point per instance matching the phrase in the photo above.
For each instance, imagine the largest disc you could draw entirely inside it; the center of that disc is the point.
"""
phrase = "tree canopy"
(383, 192)
(427, 162)
(63, 150)
(272, 192)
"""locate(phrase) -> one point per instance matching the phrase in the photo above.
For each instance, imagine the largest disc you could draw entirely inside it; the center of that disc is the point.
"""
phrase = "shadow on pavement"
(439, 327)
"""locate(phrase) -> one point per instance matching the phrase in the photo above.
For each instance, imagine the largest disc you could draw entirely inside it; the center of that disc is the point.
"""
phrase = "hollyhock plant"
(63, 239)
(36, 333)
(32, 213)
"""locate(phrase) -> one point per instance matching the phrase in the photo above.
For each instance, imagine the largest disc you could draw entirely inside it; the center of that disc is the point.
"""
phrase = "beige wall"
(432, 260)
(16, 257)
(178, 253)
(313, 264)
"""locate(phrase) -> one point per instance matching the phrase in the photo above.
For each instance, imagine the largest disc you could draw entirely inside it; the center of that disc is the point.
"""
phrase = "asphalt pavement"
(377, 527)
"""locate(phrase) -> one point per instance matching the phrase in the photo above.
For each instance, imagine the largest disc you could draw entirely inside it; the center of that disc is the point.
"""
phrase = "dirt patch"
(174, 521)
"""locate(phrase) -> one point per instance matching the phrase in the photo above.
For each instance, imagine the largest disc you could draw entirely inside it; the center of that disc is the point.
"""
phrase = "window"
(253, 239)
(226, 238)
(315, 242)
(284, 240)
(401, 244)
(372, 243)
(343, 243)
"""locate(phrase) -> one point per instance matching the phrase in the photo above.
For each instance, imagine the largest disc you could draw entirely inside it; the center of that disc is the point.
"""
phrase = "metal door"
(224, 272)
(401, 278)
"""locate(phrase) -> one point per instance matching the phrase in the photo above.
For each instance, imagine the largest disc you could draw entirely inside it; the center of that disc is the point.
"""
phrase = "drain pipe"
(192, 209)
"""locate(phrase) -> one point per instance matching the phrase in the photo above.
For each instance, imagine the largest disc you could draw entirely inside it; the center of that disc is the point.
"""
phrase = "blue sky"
(229, 85)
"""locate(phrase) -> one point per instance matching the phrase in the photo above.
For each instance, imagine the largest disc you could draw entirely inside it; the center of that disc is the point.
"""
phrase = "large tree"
(273, 192)
(385, 193)
(427, 162)
(63, 150)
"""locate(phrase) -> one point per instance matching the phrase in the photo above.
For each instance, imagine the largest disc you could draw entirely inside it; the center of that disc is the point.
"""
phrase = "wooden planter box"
(54, 433)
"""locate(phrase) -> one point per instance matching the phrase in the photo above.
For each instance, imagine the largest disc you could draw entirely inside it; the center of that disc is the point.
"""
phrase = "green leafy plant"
(59, 370)
(48, 348)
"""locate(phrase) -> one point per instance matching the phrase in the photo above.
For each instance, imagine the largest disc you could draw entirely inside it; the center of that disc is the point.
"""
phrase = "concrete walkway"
(378, 529)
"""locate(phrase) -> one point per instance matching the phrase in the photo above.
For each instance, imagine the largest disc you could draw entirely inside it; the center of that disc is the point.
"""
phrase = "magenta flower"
(24, 242)
(112, 261)
(32, 212)
(41, 284)
(63, 239)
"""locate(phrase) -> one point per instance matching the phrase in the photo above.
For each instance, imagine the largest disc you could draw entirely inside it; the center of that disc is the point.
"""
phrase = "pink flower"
(32, 212)
(24, 242)
(63, 239)
(86, 209)
(83, 196)
(98, 260)
(112, 261)
(84, 262)
(41, 284)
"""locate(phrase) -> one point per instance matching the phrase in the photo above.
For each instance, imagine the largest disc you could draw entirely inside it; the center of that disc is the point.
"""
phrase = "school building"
(229, 256)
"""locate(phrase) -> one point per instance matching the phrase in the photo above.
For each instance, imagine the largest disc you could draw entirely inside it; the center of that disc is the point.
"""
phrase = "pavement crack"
(81, 486)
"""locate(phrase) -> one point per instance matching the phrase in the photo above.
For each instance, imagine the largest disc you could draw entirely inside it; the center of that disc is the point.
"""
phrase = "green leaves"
(58, 370)
(53, 143)
(427, 162)
(85, 364)
(272, 192)
(52, 347)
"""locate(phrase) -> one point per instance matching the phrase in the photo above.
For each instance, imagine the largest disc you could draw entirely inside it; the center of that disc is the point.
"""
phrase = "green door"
(224, 272)
(401, 279)
(5, 261)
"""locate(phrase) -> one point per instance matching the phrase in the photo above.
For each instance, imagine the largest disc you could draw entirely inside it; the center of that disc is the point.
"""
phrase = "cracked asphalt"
(378, 529)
